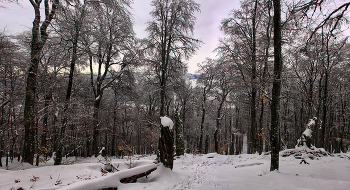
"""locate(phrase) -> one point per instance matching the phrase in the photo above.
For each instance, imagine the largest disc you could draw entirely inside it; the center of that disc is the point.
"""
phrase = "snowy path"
(219, 172)
(200, 177)
(254, 174)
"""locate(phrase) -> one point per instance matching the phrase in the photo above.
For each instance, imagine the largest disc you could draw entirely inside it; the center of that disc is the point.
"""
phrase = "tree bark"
(180, 149)
(325, 97)
(166, 149)
(276, 88)
(96, 133)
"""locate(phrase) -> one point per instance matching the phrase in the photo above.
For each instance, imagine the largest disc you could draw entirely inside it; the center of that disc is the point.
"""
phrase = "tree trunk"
(166, 141)
(201, 138)
(232, 147)
(39, 37)
(1, 148)
(166, 149)
(342, 130)
(180, 149)
(184, 108)
(325, 101)
(114, 125)
(276, 88)
(216, 138)
(88, 143)
(206, 144)
(253, 131)
(54, 131)
(95, 123)
(44, 150)
(67, 101)
(29, 108)
(218, 121)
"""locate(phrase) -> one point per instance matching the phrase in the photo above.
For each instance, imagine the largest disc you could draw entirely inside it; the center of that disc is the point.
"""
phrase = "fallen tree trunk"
(113, 180)
(134, 178)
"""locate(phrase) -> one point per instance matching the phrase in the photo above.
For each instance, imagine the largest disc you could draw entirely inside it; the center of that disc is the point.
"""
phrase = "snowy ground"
(208, 171)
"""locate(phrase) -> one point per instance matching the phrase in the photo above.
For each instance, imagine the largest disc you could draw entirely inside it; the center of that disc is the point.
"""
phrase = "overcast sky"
(206, 28)
(17, 18)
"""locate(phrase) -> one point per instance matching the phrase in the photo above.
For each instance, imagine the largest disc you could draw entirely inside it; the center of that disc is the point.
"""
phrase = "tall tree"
(11, 98)
(264, 77)
(70, 22)
(205, 80)
(112, 35)
(170, 32)
(253, 106)
(39, 38)
(276, 88)
(223, 85)
(242, 30)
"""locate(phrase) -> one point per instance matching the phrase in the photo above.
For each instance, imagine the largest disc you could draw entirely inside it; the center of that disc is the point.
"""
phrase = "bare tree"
(223, 86)
(39, 37)
(11, 96)
(205, 80)
(70, 23)
(112, 35)
(242, 31)
(276, 88)
(170, 33)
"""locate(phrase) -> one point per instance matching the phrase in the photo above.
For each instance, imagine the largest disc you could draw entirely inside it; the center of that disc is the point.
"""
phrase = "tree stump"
(166, 147)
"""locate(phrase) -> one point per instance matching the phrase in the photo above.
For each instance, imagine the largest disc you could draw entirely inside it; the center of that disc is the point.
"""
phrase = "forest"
(80, 83)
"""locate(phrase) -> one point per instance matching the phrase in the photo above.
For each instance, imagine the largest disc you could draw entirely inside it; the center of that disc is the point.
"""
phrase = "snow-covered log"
(113, 180)
(136, 176)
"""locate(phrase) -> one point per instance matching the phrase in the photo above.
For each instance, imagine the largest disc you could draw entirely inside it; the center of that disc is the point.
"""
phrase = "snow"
(111, 180)
(204, 172)
(98, 98)
(312, 122)
(166, 122)
(307, 132)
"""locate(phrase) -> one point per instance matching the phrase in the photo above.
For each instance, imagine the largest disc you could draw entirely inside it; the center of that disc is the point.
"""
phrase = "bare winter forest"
(80, 83)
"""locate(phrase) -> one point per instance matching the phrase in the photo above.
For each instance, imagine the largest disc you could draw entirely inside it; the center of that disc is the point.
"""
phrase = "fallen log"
(133, 179)
(113, 180)
(247, 165)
